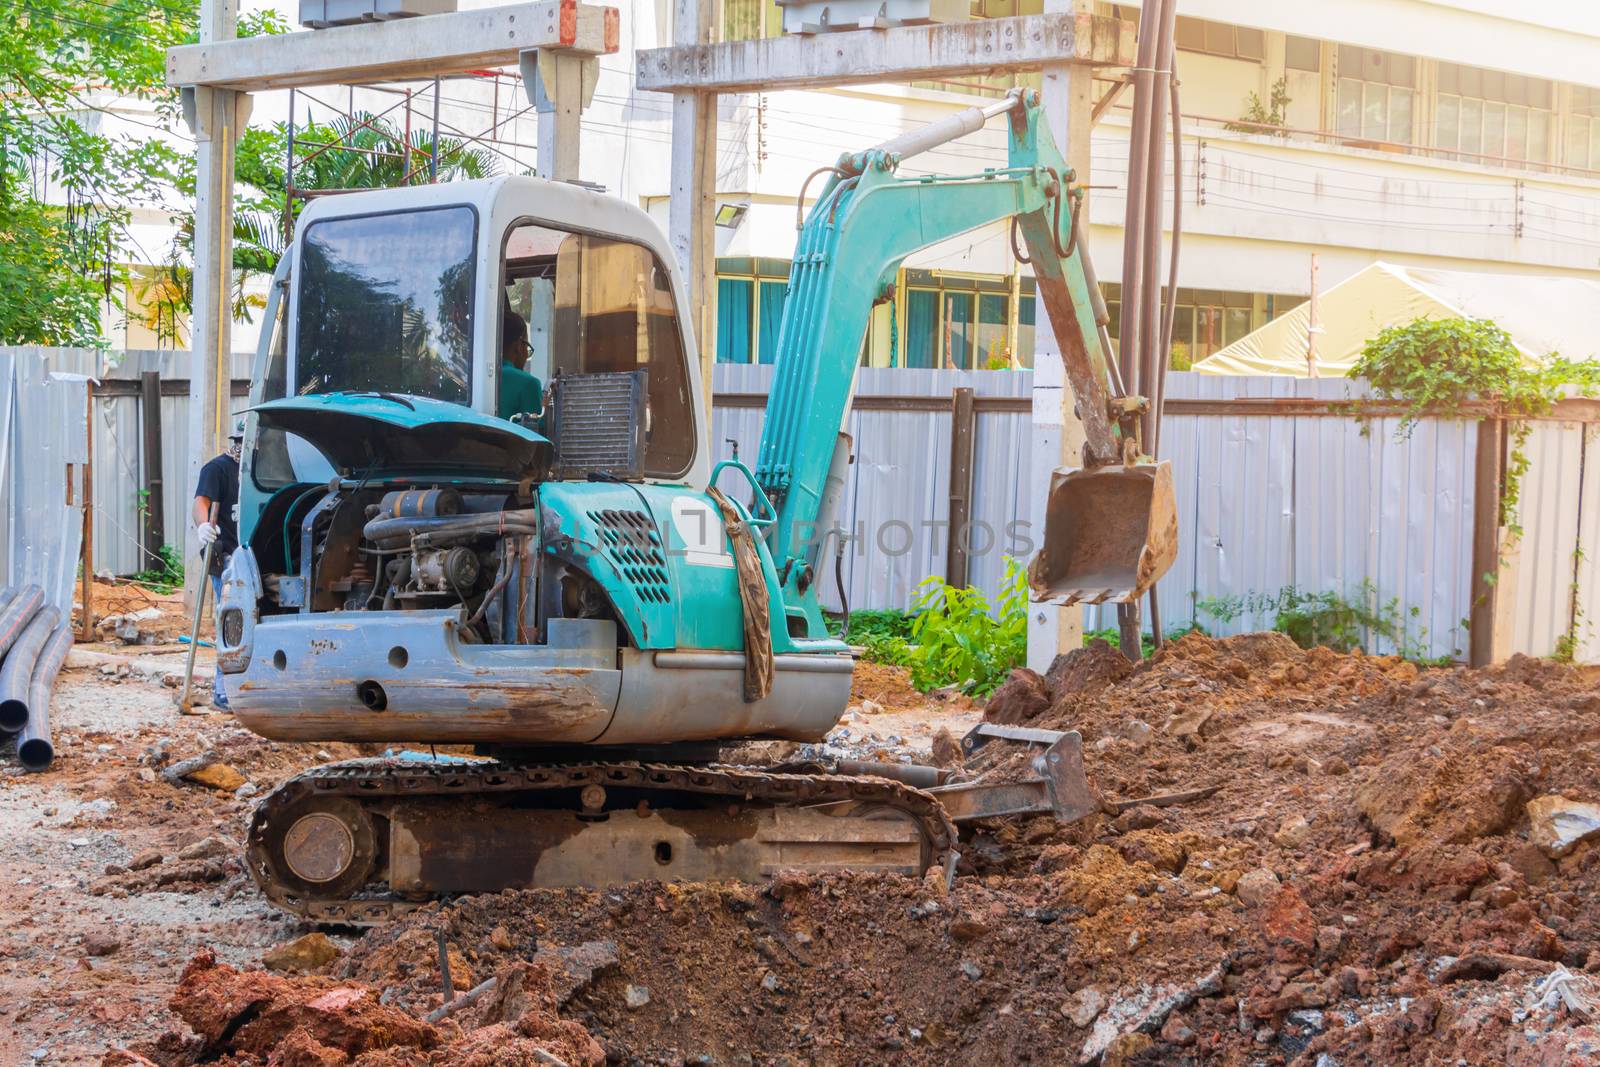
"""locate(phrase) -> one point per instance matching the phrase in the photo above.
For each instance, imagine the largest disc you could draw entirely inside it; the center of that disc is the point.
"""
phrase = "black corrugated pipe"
(16, 615)
(17, 671)
(34, 747)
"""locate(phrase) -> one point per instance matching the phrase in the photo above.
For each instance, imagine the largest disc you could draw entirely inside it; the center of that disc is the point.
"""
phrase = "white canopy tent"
(1543, 315)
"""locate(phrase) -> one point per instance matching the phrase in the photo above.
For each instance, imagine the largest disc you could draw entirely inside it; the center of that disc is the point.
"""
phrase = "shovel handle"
(199, 612)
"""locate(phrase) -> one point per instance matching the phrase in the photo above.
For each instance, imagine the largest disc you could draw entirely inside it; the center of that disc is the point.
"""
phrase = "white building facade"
(1458, 134)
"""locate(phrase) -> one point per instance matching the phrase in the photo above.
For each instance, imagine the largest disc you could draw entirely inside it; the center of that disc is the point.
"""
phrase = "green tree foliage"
(359, 151)
(65, 186)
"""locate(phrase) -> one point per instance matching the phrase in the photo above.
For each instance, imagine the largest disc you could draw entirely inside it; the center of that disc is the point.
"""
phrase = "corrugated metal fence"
(119, 470)
(1274, 491)
(43, 447)
(896, 506)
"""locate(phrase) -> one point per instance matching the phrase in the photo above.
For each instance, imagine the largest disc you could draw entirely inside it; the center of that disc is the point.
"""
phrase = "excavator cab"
(1109, 534)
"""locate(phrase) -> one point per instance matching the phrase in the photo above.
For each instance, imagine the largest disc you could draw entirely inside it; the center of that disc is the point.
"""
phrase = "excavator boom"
(1111, 529)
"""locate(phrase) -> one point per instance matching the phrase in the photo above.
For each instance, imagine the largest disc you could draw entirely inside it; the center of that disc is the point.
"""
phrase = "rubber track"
(381, 778)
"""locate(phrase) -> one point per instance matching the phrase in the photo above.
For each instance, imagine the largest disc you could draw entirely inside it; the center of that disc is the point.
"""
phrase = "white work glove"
(208, 531)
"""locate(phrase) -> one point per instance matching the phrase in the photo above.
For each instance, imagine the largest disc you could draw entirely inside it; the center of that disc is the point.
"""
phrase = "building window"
(1220, 39)
(1375, 95)
(750, 295)
(1583, 129)
(1492, 113)
(964, 322)
(1026, 310)
(1204, 321)
(1303, 53)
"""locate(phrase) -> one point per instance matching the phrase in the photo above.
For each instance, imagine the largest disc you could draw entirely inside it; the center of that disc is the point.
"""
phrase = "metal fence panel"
(1264, 502)
(118, 474)
(8, 498)
(47, 439)
(896, 503)
(1586, 599)
(1546, 555)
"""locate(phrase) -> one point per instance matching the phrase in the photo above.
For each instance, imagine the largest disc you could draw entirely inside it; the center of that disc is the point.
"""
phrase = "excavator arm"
(1111, 525)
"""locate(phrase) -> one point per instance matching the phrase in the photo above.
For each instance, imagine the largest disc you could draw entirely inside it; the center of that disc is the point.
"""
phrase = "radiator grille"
(599, 424)
(630, 541)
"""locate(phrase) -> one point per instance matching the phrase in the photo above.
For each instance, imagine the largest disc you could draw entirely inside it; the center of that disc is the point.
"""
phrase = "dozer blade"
(1109, 533)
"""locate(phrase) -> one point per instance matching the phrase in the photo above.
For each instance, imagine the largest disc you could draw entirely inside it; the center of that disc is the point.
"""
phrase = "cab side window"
(596, 305)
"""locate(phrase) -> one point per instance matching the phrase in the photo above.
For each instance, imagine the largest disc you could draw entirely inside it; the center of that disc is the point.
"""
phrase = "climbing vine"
(1462, 368)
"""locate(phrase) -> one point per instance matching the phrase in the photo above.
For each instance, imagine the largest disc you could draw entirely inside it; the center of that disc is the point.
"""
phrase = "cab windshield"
(385, 304)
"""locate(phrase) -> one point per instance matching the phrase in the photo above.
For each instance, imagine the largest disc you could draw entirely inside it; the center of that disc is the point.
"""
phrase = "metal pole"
(86, 619)
(1138, 150)
(433, 159)
(288, 178)
(154, 514)
(1314, 324)
(211, 342)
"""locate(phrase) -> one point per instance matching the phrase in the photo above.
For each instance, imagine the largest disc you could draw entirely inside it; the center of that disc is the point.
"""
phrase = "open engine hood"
(395, 432)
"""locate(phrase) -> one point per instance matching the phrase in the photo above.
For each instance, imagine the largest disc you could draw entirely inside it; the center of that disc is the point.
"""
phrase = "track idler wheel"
(321, 848)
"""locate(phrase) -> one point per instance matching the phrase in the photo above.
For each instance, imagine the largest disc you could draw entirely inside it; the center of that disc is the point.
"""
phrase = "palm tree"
(356, 151)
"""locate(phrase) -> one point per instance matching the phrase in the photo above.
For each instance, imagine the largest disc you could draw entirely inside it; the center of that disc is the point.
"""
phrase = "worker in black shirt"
(219, 486)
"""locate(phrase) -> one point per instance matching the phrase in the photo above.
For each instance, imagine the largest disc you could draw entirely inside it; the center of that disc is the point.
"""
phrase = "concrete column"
(216, 122)
(692, 209)
(561, 84)
(1068, 97)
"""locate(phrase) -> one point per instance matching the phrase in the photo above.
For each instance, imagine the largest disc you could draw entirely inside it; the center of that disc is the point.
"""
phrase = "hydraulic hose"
(34, 747)
(395, 530)
(17, 671)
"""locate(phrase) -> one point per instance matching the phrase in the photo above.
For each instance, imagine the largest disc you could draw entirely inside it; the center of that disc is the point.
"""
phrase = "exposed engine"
(426, 548)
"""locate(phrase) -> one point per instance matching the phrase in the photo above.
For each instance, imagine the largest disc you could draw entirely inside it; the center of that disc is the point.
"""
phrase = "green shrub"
(1330, 620)
(167, 573)
(1453, 368)
(960, 637)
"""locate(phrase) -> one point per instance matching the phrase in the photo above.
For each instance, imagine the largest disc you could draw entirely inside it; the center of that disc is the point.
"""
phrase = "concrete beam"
(398, 50)
(902, 54)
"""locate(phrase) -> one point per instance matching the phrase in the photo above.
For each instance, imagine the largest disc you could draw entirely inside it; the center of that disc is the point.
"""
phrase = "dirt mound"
(1021, 698)
(258, 1018)
(888, 686)
(1450, 795)
(127, 613)
(1353, 874)
(254, 1012)
(1087, 670)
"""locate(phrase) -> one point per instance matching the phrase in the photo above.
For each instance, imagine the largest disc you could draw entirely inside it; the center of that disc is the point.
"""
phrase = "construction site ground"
(1366, 885)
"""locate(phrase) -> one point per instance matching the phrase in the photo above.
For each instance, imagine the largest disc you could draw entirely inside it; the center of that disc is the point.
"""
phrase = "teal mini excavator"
(477, 509)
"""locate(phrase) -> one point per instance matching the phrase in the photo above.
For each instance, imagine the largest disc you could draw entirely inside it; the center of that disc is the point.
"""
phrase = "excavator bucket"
(1109, 533)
